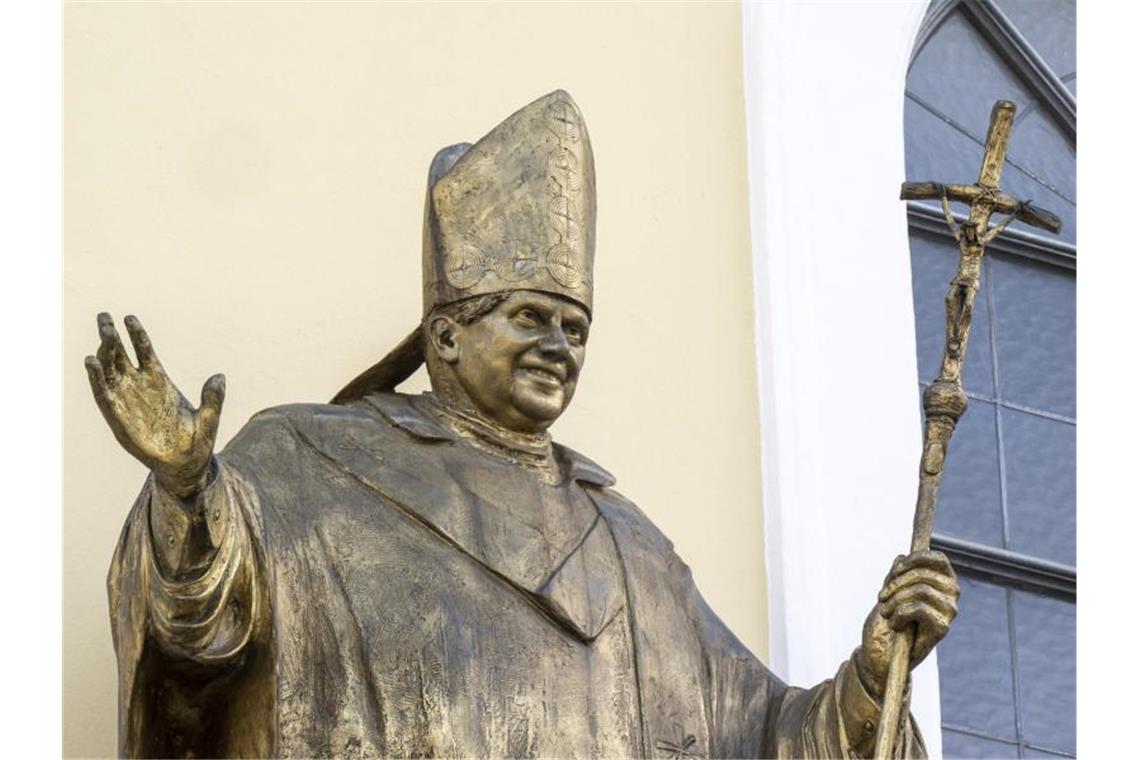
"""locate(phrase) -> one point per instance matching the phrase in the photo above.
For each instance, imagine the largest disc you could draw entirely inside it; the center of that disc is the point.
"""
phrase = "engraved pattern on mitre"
(516, 211)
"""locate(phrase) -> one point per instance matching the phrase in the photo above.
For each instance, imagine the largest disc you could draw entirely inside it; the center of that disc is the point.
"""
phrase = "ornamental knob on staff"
(944, 401)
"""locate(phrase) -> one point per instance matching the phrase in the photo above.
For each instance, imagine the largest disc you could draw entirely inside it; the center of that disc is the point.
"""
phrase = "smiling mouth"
(545, 375)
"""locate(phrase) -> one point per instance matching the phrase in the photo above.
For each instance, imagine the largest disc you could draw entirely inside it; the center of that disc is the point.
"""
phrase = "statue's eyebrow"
(538, 308)
(577, 321)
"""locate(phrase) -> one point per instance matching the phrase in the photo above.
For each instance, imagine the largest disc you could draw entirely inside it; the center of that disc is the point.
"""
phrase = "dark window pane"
(1039, 148)
(934, 260)
(970, 503)
(956, 744)
(936, 151)
(1050, 26)
(959, 74)
(974, 667)
(1035, 328)
(1046, 639)
(1040, 480)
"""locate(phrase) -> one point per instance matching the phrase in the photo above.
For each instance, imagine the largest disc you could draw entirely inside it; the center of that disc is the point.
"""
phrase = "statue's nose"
(554, 343)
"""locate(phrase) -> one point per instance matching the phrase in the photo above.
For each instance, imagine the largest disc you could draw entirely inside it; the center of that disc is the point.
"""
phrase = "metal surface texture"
(944, 401)
(434, 576)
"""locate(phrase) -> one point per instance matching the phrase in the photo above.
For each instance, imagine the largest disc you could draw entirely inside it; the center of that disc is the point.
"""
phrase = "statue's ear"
(442, 333)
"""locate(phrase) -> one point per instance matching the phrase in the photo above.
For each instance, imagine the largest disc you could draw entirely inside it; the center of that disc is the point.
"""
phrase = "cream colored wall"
(249, 178)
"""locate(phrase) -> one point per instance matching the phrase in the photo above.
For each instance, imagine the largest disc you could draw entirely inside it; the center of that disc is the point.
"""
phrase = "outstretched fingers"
(144, 351)
(105, 400)
(210, 409)
(111, 354)
(98, 383)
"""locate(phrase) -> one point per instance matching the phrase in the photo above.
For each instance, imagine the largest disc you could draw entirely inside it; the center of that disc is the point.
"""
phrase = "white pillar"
(839, 401)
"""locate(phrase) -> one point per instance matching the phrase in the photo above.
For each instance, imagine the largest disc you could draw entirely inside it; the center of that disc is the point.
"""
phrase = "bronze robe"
(362, 581)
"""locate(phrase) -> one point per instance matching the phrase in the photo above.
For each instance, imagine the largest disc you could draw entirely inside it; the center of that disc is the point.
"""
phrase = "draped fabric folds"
(359, 581)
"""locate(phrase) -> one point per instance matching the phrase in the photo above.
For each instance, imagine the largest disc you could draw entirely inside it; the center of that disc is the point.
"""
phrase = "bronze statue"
(390, 575)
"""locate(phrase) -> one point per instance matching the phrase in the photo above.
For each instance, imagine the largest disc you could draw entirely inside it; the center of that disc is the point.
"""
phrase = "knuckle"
(927, 592)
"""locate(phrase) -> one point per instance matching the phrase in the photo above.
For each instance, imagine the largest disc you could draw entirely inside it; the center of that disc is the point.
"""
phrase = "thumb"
(210, 410)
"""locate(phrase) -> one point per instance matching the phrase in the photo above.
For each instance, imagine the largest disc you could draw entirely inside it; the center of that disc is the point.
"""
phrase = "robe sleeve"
(754, 714)
(187, 599)
(836, 718)
(202, 589)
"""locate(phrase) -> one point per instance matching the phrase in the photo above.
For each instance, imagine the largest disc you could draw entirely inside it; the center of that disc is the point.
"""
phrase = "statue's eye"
(575, 334)
(527, 318)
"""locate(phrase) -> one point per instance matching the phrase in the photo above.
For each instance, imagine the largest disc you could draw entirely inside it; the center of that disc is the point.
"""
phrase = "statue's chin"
(540, 408)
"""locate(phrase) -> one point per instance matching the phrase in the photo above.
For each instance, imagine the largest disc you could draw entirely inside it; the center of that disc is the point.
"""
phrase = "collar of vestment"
(530, 450)
(404, 412)
(546, 540)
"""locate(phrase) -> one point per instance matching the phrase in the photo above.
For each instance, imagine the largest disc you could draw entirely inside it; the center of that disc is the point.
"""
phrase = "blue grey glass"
(1035, 331)
(1045, 630)
(1041, 485)
(975, 666)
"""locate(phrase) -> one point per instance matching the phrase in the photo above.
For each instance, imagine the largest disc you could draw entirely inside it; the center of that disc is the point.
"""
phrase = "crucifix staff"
(944, 401)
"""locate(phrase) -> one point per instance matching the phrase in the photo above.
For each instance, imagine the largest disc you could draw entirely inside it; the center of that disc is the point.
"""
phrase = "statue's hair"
(469, 310)
(465, 312)
(416, 349)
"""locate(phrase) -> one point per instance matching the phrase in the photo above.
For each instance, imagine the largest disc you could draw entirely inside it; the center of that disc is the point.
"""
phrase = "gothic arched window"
(1007, 515)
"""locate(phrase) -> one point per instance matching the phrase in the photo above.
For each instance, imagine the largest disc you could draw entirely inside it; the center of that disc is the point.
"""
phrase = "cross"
(678, 750)
(944, 401)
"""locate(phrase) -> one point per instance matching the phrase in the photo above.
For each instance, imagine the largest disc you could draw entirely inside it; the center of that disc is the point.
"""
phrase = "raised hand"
(921, 589)
(149, 415)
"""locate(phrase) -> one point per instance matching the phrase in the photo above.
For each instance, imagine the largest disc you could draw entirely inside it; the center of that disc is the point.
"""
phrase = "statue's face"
(519, 364)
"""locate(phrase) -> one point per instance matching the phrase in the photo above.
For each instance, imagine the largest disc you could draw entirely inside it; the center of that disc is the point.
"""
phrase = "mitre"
(514, 211)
